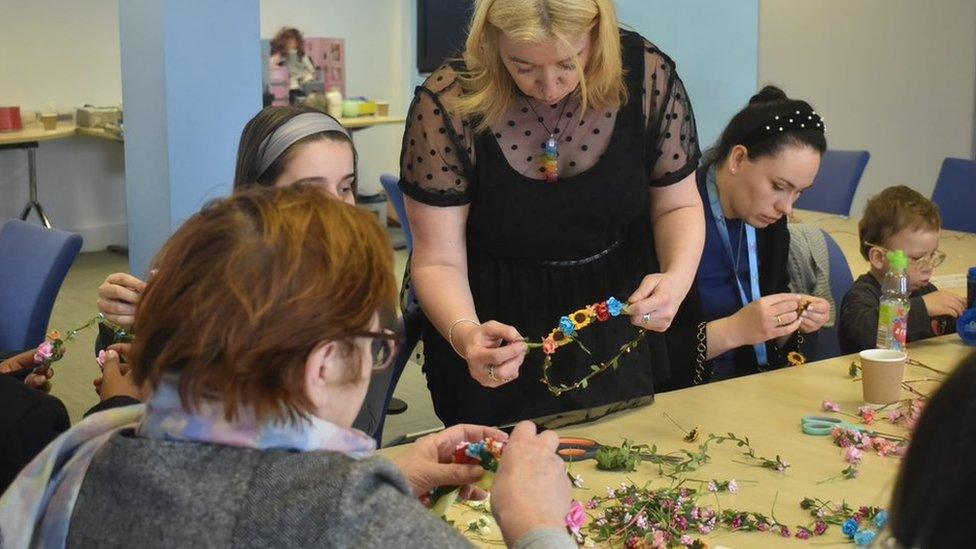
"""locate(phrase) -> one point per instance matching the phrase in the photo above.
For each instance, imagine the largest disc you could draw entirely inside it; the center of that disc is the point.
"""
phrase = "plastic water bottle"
(971, 288)
(893, 312)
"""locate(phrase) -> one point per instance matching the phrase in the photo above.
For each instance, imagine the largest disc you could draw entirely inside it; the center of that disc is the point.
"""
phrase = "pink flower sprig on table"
(829, 406)
(638, 516)
(867, 414)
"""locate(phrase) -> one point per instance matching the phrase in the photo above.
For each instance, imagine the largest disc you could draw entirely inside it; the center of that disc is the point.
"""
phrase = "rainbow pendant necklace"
(550, 158)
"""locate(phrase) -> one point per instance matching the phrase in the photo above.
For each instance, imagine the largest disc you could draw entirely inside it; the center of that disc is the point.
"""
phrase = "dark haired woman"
(288, 50)
(740, 316)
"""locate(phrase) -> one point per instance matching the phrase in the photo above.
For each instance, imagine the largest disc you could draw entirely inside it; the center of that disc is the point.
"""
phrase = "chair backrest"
(955, 193)
(836, 182)
(33, 264)
(825, 343)
(391, 184)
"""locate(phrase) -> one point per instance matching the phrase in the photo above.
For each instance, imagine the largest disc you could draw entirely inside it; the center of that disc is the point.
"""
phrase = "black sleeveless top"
(538, 251)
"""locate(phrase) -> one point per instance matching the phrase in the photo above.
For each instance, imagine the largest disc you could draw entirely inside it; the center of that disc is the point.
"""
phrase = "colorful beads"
(550, 160)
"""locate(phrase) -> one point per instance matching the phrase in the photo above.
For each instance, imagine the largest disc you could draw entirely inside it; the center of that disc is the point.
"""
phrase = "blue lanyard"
(723, 232)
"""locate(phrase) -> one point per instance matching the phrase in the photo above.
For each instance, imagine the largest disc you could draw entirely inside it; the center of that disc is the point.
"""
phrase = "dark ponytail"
(749, 128)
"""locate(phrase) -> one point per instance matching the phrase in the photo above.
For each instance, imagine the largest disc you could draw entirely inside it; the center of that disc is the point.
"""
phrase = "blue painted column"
(191, 79)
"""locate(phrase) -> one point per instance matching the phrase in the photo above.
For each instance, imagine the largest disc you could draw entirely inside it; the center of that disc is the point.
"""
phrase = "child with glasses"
(898, 218)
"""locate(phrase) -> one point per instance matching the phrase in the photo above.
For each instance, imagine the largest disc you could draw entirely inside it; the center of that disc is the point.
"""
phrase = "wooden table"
(960, 248)
(361, 122)
(28, 139)
(767, 408)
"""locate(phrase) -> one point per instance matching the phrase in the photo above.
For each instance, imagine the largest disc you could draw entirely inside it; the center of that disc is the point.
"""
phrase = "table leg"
(32, 202)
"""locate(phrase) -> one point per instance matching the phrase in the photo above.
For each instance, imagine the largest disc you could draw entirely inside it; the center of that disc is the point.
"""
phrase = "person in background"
(898, 218)
(740, 316)
(551, 170)
(257, 338)
(30, 418)
(932, 502)
(288, 50)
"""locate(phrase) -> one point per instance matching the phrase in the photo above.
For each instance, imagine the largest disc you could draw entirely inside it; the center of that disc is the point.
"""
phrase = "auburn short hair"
(248, 287)
(892, 210)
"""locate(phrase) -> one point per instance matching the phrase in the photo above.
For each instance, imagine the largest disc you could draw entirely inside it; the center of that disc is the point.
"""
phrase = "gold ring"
(491, 373)
(779, 322)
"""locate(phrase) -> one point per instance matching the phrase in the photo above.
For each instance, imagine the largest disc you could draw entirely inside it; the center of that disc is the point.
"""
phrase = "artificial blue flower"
(864, 537)
(567, 326)
(850, 527)
(475, 449)
(881, 519)
(614, 306)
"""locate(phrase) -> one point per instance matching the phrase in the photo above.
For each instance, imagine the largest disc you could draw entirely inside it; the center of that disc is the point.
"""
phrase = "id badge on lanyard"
(723, 231)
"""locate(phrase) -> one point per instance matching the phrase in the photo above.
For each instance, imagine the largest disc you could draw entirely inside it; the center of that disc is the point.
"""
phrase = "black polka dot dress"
(537, 250)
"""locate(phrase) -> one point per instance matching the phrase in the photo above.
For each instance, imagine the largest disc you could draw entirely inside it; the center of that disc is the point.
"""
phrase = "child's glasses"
(929, 260)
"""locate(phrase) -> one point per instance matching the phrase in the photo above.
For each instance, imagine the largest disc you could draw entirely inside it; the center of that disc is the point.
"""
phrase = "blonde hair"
(489, 90)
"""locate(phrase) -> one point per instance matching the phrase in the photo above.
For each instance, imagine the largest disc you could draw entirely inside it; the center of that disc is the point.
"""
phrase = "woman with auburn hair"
(257, 337)
(549, 169)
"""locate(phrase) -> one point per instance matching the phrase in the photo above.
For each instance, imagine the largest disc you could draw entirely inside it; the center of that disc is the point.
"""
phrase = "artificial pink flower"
(803, 533)
(853, 455)
(867, 414)
(44, 352)
(895, 416)
(686, 540)
(100, 359)
(549, 346)
(642, 522)
(830, 406)
(733, 487)
(820, 528)
(712, 487)
(576, 517)
(659, 540)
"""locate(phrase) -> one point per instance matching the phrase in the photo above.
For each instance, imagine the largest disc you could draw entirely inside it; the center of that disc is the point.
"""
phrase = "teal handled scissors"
(822, 425)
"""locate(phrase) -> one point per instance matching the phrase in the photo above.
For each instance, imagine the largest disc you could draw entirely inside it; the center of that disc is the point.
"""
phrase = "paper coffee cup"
(882, 371)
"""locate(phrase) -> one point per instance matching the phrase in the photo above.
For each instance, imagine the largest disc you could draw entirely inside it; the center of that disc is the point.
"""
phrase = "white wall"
(67, 52)
(894, 77)
(373, 31)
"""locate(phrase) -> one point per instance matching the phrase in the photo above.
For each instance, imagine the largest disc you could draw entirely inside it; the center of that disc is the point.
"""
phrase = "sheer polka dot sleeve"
(672, 139)
(436, 158)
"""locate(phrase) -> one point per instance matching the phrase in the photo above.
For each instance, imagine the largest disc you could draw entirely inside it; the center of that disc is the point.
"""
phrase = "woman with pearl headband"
(740, 316)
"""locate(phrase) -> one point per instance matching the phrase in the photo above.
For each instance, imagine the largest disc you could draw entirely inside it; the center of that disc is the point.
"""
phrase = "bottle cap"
(897, 259)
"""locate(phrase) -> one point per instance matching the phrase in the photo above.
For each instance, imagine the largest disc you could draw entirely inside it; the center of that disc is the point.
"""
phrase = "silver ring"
(646, 318)
(491, 373)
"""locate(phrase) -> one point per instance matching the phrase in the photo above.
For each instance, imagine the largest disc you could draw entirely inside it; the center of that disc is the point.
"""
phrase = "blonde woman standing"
(549, 170)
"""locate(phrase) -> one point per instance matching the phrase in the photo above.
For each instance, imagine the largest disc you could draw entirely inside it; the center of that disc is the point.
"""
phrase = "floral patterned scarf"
(36, 509)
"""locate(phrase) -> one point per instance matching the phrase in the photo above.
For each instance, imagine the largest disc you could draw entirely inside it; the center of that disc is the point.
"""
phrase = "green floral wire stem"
(595, 369)
(56, 342)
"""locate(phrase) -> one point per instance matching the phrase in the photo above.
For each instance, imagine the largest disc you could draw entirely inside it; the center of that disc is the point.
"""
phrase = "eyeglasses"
(929, 260)
(383, 345)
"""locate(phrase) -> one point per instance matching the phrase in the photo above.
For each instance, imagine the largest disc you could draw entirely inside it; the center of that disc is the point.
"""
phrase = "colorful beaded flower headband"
(567, 332)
